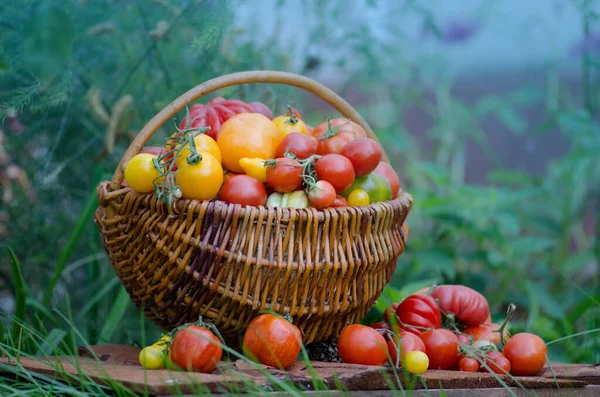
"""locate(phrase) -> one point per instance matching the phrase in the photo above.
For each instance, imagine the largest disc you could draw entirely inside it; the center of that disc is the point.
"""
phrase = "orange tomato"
(203, 143)
(250, 135)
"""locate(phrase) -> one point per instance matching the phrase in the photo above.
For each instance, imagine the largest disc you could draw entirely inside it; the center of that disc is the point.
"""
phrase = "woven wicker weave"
(227, 263)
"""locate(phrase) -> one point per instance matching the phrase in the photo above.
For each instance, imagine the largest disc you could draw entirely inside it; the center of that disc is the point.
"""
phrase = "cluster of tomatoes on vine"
(239, 153)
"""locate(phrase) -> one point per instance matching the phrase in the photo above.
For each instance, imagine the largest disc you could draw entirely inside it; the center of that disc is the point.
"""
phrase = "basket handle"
(228, 80)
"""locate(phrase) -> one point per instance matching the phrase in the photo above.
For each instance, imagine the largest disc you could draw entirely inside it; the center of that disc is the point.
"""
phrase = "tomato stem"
(333, 131)
(510, 312)
(293, 119)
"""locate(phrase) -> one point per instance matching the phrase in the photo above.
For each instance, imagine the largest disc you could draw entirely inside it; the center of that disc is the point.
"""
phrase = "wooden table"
(120, 363)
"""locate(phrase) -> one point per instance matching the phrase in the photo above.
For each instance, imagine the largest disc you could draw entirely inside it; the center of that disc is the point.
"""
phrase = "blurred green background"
(488, 109)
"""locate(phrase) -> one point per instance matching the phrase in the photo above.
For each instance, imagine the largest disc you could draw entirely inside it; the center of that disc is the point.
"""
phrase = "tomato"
(261, 108)
(213, 114)
(321, 195)
(358, 198)
(359, 344)
(374, 184)
(389, 314)
(497, 363)
(417, 313)
(196, 349)
(140, 173)
(334, 134)
(250, 135)
(386, 171)
(364, 154)
(380, 325)
(164, 342)
(256, 168)
(469, 306)
(295, 199)
(284, 174)
(288, 125)
(300, 145)
(485, 331)
(202, 180)
(464, 339)
(335, 169)
(405, 342)
(416, 362)
(339, 202)
(526, 353)
(152, 357)
(203, 143)
(228, 175)
(442, 346)
(468, 364)
(244, 190)
(155, 150)
(273, 341)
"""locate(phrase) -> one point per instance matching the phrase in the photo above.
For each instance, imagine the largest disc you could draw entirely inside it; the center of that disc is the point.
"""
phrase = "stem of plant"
(509, 315)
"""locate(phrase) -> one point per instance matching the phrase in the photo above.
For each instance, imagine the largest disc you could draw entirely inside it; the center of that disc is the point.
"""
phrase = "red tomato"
(380, 325)
(526, 353)
(464, 339)
(468, 364)
(284, 175)
(386, 171)
(273, 341)
(485, 331)
(364, 154)
(334, 134)
(406, 343)
(469, 306)
(418, 310)
(196, 349)
(497, 363)
(339, 202)
(442, 347)
(359, 344)
(300, 145)
(213, 114)
(321, 195)
(261, 108)
(335, 169)
(245, 190)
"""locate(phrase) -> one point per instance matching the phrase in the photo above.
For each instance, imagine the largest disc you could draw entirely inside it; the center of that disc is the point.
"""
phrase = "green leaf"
(531, 245)
(510, 177)
(438, 261)
(52, 340)
(48, 42)
(117, 311)
(575, 262)
(20, 294)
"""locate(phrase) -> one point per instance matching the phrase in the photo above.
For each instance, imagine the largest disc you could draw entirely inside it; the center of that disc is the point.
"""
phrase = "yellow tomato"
(204, 143)
(287, 125)
(163, 342)
(152, 357)
(416, 362)
(358, 198)
(250, 135)
(255, 168)
(140, 173)
(200, 181)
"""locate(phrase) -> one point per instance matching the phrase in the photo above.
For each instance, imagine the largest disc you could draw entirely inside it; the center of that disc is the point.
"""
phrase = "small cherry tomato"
(526, 353)
(405, 342)
(334, 134)
(244, 190)
(284, 174)
(416, 362)
(358, 198)
(442, 346)
(196, 349)
(364, 154)
(200, 180)
(468, 364)
(140, 173)
(386, 171)
(290, 124)
(300, 145)
(256, 168)
(417, 313)
(339, 202)
(335, 169)
(359, 344)
(152, 357)
(273, 341)
(497, 363)
(321, 195)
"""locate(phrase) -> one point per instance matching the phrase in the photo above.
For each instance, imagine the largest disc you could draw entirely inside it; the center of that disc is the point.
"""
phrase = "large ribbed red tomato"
(469, 306)
(417, 313)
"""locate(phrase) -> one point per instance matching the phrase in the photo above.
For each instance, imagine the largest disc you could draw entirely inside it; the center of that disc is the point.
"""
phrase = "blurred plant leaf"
(526, 245)
(20, 294)
(114, 317)
(52, 340)
(438, 261)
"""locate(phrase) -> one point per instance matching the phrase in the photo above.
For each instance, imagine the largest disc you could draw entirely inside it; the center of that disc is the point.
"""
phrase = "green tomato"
(376, 186)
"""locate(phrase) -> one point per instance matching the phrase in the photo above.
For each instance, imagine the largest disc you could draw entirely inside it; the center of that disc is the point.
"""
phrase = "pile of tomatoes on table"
(239, 153)
(446, 327)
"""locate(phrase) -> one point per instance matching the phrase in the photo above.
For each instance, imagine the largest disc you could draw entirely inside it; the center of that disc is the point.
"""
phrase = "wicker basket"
(227, 263)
